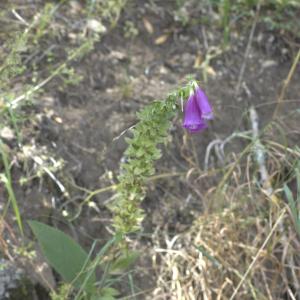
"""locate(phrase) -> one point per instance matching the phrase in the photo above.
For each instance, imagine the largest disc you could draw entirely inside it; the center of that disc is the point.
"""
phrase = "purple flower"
(197, 109)
(203, 104)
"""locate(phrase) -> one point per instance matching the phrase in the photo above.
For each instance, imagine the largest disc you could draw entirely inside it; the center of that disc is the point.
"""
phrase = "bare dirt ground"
(81, 124)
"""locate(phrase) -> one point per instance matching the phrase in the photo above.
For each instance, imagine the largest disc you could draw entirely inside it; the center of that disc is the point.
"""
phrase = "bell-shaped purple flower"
(193, 120)
(203, 104)
(196, 111)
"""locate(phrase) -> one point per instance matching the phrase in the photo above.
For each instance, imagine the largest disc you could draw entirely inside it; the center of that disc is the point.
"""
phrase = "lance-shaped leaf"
(64, 255)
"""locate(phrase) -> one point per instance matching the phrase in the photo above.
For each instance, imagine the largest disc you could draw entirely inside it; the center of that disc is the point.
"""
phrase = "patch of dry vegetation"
(244, 246)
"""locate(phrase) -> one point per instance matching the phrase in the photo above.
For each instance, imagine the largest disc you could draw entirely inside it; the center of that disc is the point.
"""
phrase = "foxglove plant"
(151, 130)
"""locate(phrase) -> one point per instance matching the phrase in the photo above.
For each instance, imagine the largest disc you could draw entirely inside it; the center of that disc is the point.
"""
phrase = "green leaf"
(107, 293)
(293, 207)
(298, 182)
(290, 198)
(123, 262)
(7, 180)
(64, 255)
(207, 255)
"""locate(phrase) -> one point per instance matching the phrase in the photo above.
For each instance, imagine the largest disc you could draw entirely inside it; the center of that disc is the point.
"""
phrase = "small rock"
(96, 26)
(7, 134)
(163, 70)
(118, 55)
(268, 64)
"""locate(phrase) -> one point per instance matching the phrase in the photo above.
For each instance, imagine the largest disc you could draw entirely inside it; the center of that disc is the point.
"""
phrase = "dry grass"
(244, 246)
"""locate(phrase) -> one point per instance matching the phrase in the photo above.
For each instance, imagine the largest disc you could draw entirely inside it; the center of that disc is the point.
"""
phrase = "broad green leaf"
(64, 255)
